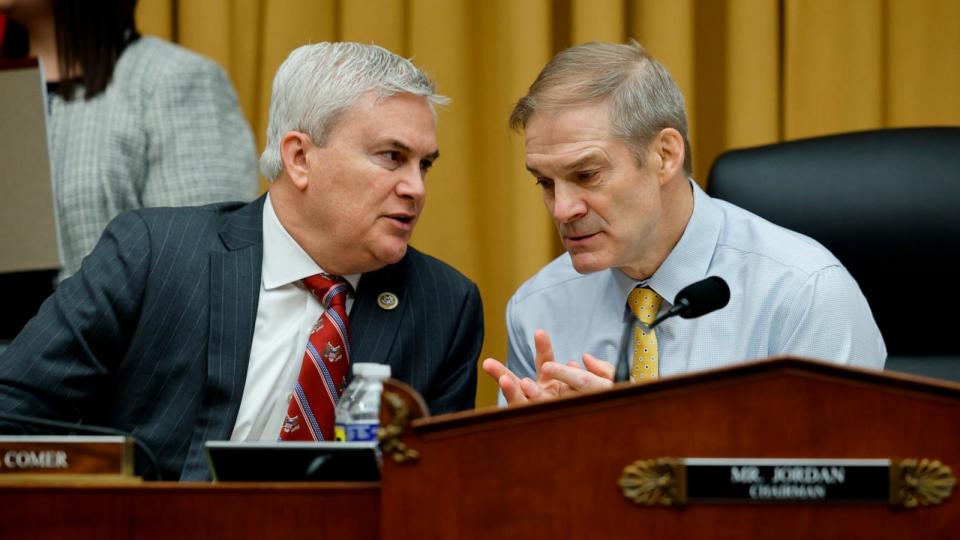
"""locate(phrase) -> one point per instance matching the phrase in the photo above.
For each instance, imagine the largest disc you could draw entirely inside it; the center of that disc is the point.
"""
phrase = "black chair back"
(885, 202)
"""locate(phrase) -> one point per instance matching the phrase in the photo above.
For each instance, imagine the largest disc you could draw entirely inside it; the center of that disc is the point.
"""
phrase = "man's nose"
(412, 184)
(568, 205)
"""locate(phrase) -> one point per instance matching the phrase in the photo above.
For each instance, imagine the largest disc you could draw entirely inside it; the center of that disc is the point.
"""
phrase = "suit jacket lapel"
(234, 294)
(374, 329)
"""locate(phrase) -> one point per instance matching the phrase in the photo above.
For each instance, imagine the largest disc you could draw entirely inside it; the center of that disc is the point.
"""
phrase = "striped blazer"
(153, 335)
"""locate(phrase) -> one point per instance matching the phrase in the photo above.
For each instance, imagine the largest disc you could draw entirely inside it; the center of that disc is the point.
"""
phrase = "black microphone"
(692, 301)
(698, 299)
(84, 428)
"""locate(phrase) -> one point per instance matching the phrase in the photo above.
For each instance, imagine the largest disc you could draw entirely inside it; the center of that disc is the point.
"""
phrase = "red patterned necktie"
(323, 373)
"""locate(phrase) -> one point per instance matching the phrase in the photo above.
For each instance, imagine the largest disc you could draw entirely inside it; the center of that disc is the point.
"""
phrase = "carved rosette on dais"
(921, 482)
(654, 482)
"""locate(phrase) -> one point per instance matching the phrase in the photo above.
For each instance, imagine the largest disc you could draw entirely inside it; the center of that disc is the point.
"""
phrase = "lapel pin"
(388, 301)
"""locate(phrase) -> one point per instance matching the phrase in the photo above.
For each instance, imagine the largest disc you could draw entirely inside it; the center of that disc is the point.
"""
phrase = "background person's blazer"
(153, 335)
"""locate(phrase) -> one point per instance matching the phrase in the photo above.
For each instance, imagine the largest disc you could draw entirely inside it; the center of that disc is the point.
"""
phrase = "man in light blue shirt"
(606, 138)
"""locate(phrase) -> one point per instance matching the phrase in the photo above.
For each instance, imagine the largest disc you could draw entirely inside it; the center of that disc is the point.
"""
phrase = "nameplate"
(33, 457)
(666, 481)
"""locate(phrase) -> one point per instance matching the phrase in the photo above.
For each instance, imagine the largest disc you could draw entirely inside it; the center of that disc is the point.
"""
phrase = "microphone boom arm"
(679, 308)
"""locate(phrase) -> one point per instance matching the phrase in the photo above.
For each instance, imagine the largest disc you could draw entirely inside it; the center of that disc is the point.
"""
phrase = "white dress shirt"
(285, 314)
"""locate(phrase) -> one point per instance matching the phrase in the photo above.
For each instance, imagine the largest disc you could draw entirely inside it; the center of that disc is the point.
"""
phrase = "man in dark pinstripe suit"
(187, 325)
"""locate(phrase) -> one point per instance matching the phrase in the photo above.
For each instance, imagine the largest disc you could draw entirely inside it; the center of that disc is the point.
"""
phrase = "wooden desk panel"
(190, 510)
(550, 470)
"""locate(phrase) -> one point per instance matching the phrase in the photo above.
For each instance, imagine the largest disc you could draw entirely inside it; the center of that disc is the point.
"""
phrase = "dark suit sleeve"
(456, 386)
(60, 365)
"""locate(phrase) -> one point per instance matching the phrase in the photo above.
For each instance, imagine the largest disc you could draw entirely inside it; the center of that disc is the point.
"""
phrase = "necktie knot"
(329, 289)
(644, 304)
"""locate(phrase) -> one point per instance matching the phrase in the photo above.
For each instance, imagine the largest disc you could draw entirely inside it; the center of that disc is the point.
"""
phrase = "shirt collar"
(689, 260)
(284, 261)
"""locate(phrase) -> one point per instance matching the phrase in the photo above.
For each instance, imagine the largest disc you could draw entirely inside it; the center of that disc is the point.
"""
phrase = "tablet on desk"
(232, 461)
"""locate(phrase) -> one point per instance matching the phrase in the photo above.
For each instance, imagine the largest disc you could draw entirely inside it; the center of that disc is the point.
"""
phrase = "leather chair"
(887, 204)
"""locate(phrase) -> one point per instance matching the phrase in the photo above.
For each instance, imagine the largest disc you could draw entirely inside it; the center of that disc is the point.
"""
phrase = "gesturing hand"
(553, 379)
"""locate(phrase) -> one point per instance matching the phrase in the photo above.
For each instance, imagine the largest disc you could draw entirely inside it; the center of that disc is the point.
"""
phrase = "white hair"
(317, 83)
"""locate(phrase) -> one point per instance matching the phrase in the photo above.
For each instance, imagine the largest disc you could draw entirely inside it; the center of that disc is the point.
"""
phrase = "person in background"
(133, 121)
(605, 129)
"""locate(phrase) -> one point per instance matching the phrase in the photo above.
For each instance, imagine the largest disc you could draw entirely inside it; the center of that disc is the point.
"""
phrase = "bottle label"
(356, 431)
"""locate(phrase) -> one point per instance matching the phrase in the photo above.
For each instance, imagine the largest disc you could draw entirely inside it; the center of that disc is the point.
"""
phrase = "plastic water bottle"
(358, 412)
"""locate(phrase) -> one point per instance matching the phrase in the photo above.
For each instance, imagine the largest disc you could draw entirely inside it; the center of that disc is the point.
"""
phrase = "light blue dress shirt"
(788, 295)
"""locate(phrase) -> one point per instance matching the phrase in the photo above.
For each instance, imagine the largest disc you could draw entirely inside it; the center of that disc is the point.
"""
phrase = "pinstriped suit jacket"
(153, 335)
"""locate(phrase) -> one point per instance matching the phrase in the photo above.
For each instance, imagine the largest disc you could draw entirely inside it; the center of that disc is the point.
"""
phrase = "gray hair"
(644, 99)
(318, 83)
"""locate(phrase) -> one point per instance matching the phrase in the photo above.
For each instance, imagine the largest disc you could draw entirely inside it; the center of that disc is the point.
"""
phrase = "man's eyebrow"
(585, 160)
(400, 146)
(432, 156)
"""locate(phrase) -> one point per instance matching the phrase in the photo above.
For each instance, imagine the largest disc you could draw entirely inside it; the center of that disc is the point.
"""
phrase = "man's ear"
(668, 146)
(293, 151)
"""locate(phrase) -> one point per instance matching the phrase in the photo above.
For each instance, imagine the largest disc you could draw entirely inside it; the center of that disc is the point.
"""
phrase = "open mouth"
(405, 219)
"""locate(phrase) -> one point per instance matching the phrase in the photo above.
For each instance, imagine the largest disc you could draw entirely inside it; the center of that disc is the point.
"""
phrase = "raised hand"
(553, 379)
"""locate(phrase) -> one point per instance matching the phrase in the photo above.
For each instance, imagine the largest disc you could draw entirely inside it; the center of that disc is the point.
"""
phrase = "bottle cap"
(371, 370)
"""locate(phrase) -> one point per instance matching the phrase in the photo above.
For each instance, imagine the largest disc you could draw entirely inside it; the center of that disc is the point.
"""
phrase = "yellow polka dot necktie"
(644, 303)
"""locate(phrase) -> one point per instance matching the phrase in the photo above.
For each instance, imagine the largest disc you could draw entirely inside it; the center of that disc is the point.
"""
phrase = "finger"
(600, 368)
(541, 341)
(554, 388)
(532, 390)
(578, 379)
(494, 368)
(510, 386)
(508, 382)
(540, 392)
